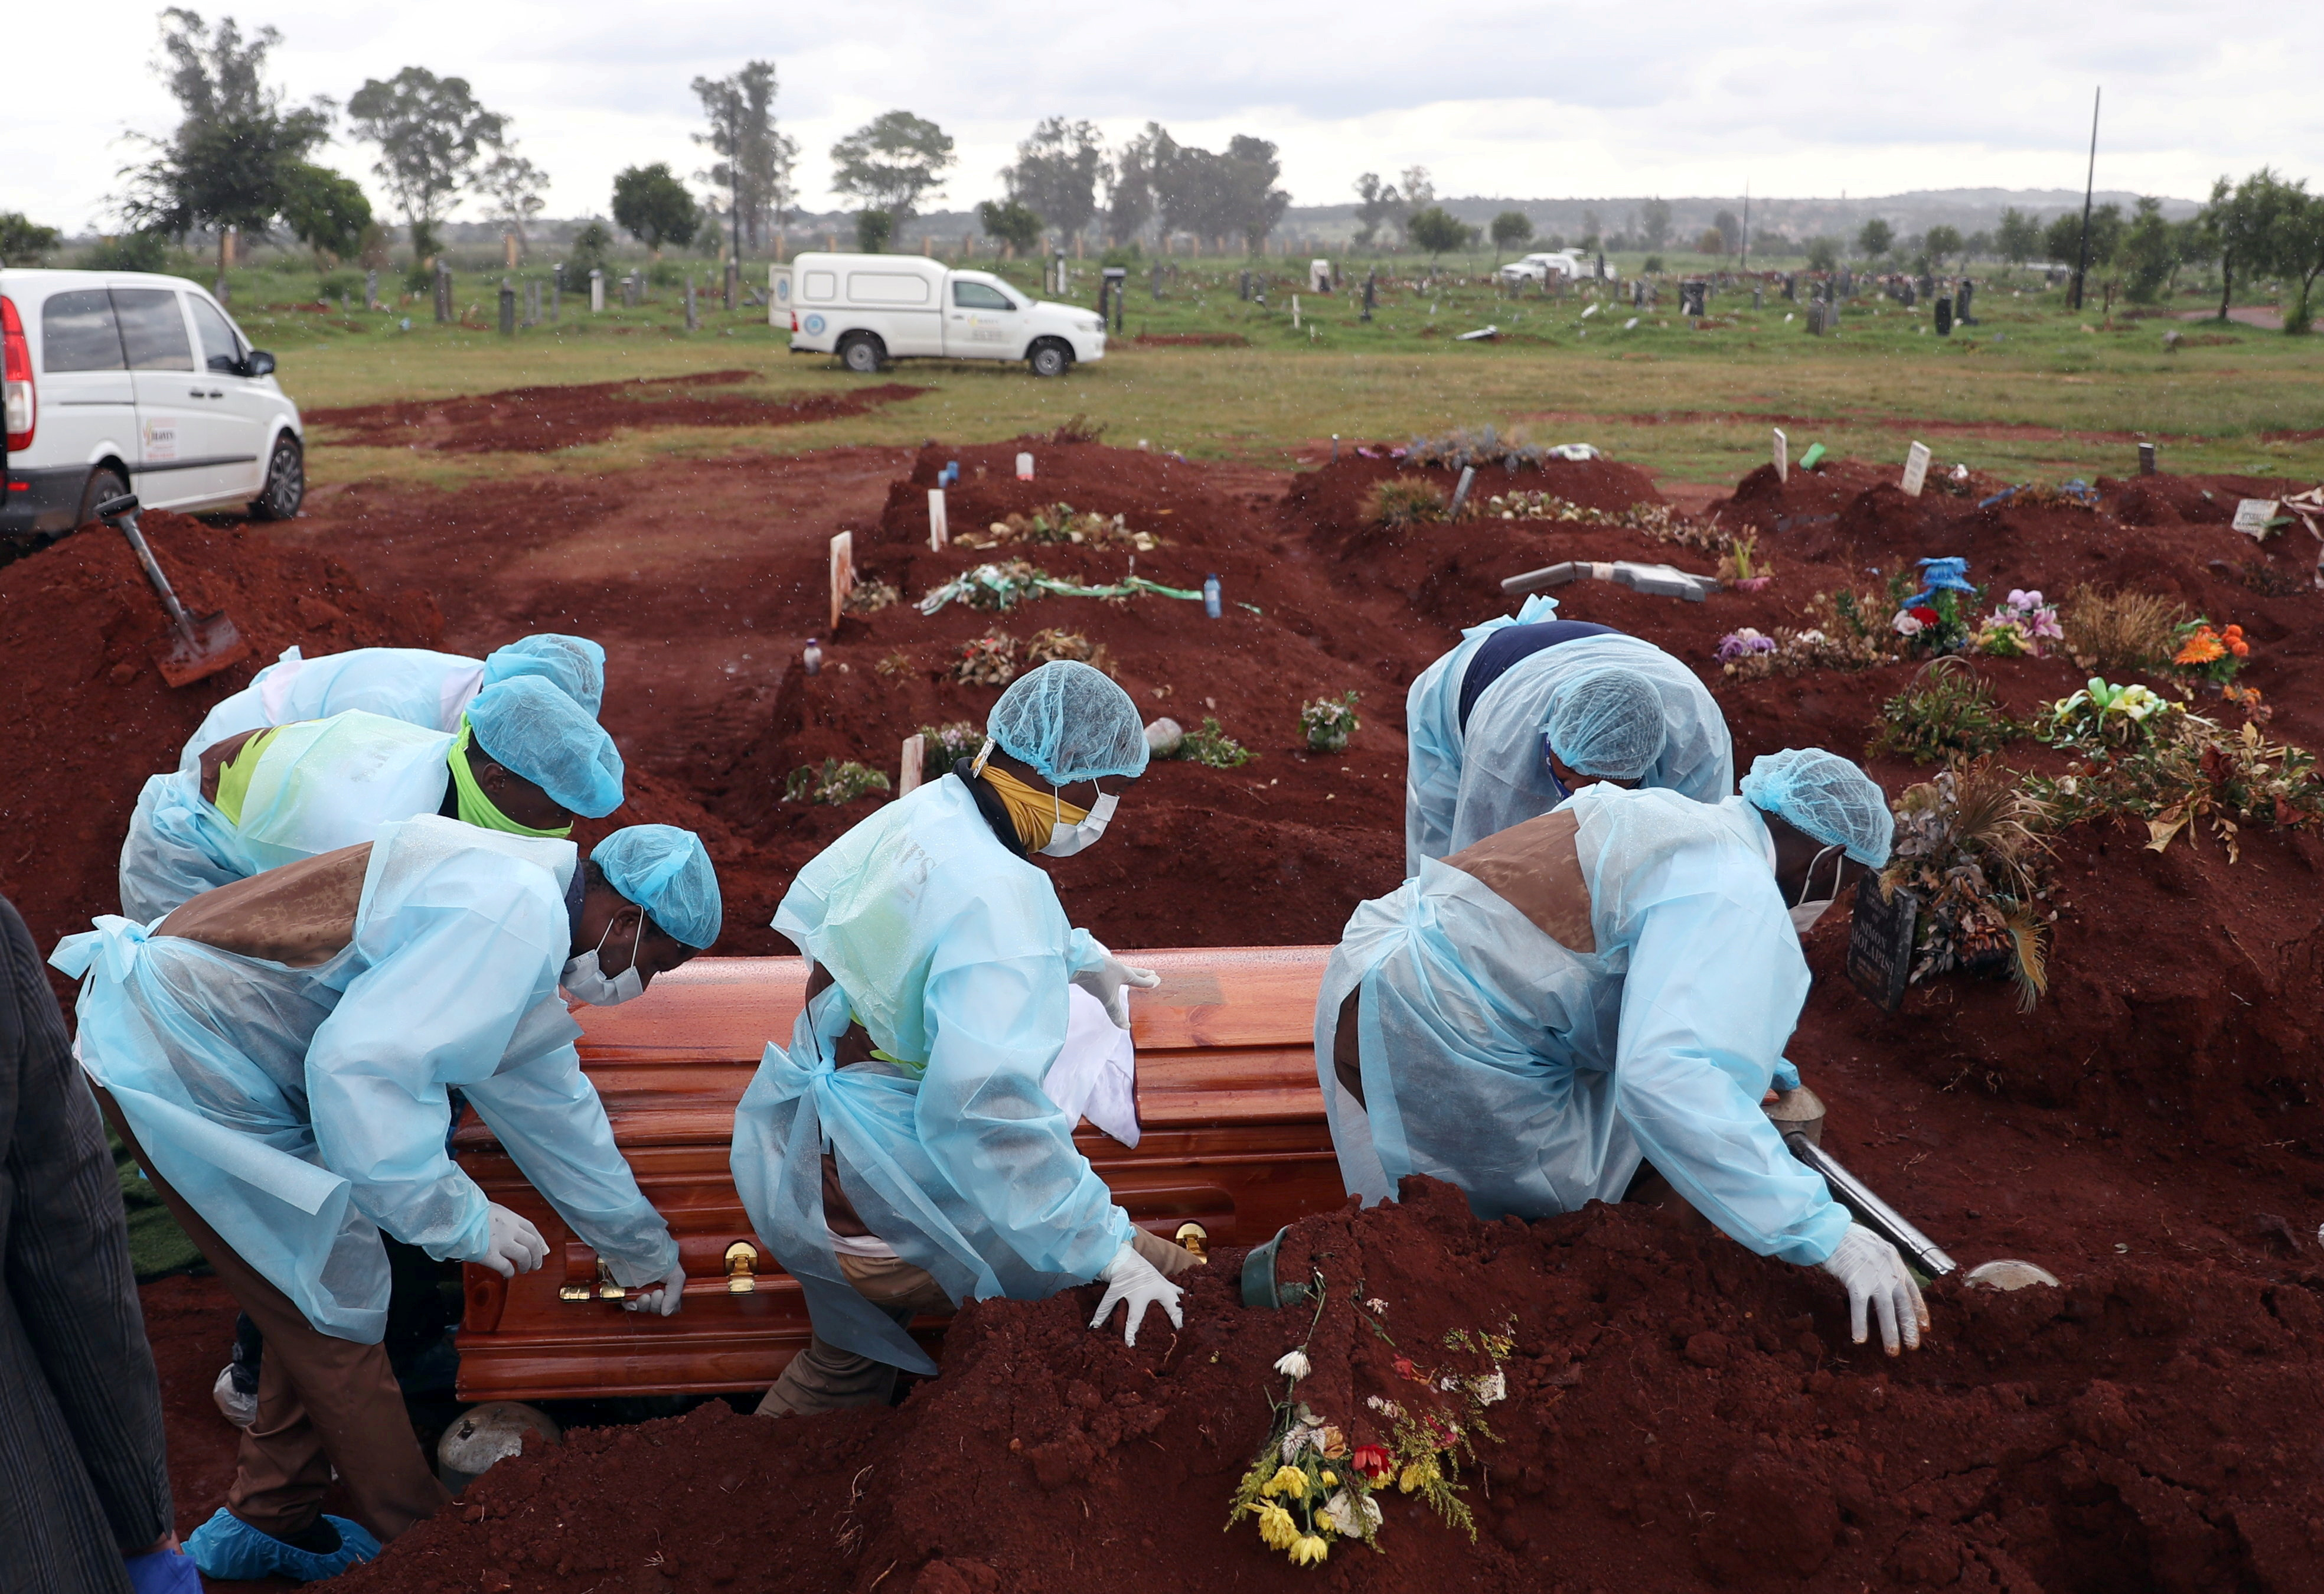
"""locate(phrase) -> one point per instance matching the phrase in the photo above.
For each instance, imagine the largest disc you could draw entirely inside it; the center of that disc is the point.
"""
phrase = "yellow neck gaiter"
(475, 808)
(233, 777)
(1033, 812)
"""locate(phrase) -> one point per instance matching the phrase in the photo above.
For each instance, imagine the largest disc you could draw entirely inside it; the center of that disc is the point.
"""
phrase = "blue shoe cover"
(225, 1546)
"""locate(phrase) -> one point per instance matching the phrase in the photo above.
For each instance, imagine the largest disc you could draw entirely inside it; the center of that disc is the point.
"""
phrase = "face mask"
(1064, 839)
(585, 982)
(1804, 912)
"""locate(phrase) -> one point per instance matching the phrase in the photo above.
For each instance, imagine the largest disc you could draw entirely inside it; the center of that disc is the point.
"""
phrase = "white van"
(122, 382)
(1565, 263)
(871, 308)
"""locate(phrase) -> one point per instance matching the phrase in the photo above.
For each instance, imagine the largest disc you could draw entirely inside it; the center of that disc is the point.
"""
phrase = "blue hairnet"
(1071, 722)
(532, 729)
(574, 665)
(1823, 795)
(665, 871)
(1608, 723)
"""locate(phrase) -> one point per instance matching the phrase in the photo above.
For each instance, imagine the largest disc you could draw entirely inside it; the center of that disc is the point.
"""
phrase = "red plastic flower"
(1925, 614)
(1404, 1369)
(1372, 1461)
(2233, 637)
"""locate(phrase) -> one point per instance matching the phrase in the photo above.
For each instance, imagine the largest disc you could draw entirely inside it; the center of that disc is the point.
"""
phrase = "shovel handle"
(125, 519)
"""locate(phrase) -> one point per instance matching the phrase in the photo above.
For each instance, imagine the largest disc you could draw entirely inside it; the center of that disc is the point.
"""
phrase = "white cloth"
(1095, 1075)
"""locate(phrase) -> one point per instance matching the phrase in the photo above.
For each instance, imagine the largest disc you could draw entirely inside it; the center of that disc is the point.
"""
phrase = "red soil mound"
(542, 420)
(1679, 1415)
(87, 718)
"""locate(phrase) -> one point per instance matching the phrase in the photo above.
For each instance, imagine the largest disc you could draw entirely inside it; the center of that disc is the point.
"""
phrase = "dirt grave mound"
(543, 420)
(1666, 1411)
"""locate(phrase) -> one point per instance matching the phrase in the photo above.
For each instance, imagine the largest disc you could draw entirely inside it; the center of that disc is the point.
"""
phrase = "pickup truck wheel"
(862, 353)
(1050, 359)
(286, 482)
(104, 482)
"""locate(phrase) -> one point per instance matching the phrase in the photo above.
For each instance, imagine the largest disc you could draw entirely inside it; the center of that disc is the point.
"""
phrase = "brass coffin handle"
(1194, 1238)
(607, 1289)
(742, 1263)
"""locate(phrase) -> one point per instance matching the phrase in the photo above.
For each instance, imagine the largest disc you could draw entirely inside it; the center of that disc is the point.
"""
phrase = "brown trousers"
(323, 1402)
(824, 1378)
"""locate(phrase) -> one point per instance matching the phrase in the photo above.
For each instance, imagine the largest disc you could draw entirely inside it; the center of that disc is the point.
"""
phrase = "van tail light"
(21, 402)
(794, 320)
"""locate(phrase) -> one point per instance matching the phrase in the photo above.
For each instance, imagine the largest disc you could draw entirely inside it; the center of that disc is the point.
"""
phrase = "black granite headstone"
(1880, 942)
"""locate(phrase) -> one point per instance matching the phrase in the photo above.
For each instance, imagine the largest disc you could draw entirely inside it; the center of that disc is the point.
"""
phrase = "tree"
(1378, 205)
(1511, 229)
(1592, 232)
(1711, 242)
(325, 211)
(2149, 253)
(1013, 223)
(1211, 195)
(512, 186)
(1436, 230)
(2018, 236)
(591, 247)
(2299, 252)
(1823, 253)
(1978, 247)
(891, 162)
(1730, 232)
(23, 241)
(229, 163)
(874, 231)
(1941, 242)
(1875, 239)
(1419, 187)
(1056, 173)
(430, 132)
(2061, 240)
(755, 158)
(654, 208)
(1252, 202)
(2242, 225)
(1655, 215)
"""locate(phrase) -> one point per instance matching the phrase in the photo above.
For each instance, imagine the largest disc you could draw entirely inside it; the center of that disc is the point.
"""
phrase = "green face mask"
(475, 808)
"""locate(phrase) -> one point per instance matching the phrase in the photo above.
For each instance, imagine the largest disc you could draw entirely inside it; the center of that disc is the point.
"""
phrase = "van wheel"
(862, 353)
(1050, 359)
(104, 482)
(286, 482)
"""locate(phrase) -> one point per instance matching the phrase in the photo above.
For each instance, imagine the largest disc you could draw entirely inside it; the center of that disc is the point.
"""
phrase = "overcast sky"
(1805, 99)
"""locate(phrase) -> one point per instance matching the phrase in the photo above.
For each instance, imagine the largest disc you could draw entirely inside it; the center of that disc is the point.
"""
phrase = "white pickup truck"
(871, 308)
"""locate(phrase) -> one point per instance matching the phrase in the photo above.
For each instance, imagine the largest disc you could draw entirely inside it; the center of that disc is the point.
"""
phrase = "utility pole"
(1746, 225)
(2090, 189)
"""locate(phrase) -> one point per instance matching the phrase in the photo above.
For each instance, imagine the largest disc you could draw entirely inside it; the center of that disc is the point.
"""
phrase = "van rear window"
(886, 287)
(78, 332)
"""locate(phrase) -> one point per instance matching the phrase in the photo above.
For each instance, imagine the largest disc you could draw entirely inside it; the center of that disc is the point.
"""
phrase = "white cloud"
(1496, 98)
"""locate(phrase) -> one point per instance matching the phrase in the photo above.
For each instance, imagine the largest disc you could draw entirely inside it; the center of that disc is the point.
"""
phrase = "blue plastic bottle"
(1210, 595)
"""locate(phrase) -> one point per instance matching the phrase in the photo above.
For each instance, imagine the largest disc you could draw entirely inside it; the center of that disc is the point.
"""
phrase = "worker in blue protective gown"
(278, 1054)
(901, 1156)
(524, 759)
(416, 685)
(1528, 708)
(1611, 984)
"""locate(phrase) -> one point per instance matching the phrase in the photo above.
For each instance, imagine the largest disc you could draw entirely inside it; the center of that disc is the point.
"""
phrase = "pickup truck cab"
(120, 382)
(871, 308)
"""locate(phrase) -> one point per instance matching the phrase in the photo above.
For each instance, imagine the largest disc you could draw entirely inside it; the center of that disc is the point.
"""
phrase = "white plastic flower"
(1385, 1408)
(1303, 1437)
(1375, 1304)
(1351, 1517)
(1491, 1388)
(1293, 1365)
(1907, 624)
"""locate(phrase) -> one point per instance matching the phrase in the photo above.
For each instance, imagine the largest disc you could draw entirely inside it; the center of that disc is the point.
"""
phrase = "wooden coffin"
(1234, 1140)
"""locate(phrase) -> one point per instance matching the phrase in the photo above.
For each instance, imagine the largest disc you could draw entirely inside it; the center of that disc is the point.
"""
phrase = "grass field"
(2031, 390)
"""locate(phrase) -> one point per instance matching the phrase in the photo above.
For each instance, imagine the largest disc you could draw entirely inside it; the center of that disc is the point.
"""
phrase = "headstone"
(1916, 469)
(1294, 312)
(1244, 288)
(1319, 276)
(443, 291)
(1847, 283)
(371, 290)
(1024, 467)
(1461, 492)
(939, 529)
(1112, 279)
(1371, 292)
(1758, 296)
(2252, 515)
(693, 322)
(596, 290)
(842, 574)
(1880, 942)
(1944, 317)
(733, 283)
(1783, 451)
(1962, 297)
(1791, 288)
(2146, 458)
(1157, 282)
(1692, 297)
(508, 307)
(916, 753)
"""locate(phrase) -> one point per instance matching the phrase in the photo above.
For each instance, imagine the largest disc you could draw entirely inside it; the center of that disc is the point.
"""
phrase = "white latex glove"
(661, 1299)
(514, 1244)
(1131, 1278)
(1873, 1272)
(1110, 981)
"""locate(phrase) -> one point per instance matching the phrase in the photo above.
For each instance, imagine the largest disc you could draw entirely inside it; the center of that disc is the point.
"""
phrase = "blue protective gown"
(303, 1110)
(413, 684)
(1536, 1078)
(956, 957)
(319, 785)
(1465, 784)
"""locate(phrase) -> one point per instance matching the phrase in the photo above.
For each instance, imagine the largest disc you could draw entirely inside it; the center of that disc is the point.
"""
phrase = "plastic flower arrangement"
(949, 744)
(1738, 646)
(1935, 619)
(2101, 719)
(990, 660)
(1062, 522)
(834, 782)
(1329, 722)
(1742, 567)
(2019, 627)
(1968, 845)
(2209, 652)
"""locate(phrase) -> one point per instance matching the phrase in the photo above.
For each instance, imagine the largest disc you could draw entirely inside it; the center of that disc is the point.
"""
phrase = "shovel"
(202, 644)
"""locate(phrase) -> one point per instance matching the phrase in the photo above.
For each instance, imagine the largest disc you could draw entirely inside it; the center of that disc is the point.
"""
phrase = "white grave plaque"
(1024, 467)
(938, 532)
(1782, 455)
(2252, 515)
(1916, 469)
(842, 574)
(916, 752)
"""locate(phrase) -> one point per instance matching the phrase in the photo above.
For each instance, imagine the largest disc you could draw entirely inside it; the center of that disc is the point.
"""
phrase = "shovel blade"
(214, 645)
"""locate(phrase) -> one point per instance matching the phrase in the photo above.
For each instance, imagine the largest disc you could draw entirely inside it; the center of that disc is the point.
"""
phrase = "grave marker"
(2252, 515)
(1782, 455)
(916, 753)
(443, 291)
(1916, 469)
(842, 574)
(939, 532)
(2146, 458)
(693, 323)
(1944, 317)
(596, 290)
(371, 290)
(1024, 467)
(1880, 942)
(1461, 492)
(508, 307)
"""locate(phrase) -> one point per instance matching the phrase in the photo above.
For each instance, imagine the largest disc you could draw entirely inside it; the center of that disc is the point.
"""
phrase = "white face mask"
(585, 982)
(1804, 912)
(1064, 839)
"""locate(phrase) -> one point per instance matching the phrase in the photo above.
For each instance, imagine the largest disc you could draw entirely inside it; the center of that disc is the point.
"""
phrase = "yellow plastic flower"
(1417, 1474)
(1287, 1480)
(1330, 1479)
(1309, 1551)
(1276, 1530)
